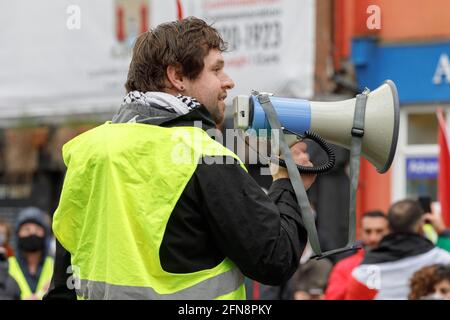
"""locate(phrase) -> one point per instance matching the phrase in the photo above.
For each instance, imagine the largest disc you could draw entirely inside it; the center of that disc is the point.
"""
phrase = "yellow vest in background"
(121, 186)
(430, 233)
(43, 283)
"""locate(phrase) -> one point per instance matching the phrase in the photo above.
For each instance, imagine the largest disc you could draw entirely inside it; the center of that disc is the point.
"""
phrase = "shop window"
(422, 128)
(421, 174)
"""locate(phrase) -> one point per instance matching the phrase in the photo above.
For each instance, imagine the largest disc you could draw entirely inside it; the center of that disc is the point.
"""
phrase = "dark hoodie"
(221, 213)
(36, 216)
(397, 246)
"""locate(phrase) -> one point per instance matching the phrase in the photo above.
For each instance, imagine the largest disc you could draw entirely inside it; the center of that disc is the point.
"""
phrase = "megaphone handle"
(294, 175)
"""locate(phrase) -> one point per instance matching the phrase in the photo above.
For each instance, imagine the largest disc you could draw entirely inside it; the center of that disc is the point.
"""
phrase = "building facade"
(409, 43)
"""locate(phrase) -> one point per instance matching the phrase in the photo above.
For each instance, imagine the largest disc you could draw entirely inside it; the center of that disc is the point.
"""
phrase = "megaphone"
(333, 121)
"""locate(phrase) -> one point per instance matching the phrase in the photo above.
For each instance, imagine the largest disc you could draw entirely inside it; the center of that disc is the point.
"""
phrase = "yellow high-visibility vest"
(122, 184)
(43, 283)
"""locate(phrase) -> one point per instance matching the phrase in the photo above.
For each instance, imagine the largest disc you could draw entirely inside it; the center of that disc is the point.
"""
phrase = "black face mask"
(31, 243)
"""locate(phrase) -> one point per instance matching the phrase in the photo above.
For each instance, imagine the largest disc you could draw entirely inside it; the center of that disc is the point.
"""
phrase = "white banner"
(62, 57)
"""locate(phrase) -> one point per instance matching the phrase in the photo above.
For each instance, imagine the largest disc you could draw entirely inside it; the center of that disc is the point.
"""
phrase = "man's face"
(210, 87)
(373, 229)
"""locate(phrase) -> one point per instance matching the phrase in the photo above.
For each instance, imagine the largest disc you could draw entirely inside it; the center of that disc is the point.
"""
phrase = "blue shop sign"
(420, 71)
(419, 168)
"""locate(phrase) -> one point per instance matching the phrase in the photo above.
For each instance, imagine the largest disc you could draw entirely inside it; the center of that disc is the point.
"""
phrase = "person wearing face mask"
(32, 268)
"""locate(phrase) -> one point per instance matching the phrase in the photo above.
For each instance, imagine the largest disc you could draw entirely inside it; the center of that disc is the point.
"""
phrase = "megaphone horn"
(333, 121)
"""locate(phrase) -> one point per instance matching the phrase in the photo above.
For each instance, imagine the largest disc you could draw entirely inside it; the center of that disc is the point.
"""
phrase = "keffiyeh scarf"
(177, 104)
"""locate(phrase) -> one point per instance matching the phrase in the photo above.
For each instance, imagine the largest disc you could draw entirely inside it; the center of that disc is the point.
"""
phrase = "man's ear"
(419, 226)
(175, 78)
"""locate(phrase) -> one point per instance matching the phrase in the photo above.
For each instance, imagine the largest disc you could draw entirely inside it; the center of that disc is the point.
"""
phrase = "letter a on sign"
(442, 69)
(374, 20)
(74, 20)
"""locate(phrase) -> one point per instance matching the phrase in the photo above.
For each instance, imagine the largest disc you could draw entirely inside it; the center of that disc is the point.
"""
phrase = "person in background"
(5, 237)
(434, 219)
(308, 282)
(32, 268)
(431, 283)
(374, 226)
(442, 286)
(385, 271)
(311, 278)
(9, 289)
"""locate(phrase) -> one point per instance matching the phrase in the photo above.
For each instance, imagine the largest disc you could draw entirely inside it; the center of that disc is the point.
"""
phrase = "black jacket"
(222, 213)
(9, 289)
(397, 246)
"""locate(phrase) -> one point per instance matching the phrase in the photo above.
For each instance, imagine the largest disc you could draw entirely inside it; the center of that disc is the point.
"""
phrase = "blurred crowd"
(405, 255)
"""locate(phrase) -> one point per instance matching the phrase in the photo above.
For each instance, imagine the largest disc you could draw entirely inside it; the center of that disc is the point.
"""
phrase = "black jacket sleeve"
(59, 288)
(262, 234)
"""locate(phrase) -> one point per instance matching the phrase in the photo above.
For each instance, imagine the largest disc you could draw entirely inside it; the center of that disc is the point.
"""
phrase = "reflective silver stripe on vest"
(206, 290)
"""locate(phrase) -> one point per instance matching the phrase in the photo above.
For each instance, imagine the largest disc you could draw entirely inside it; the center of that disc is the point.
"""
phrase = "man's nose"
(374, 239)
(228, 83)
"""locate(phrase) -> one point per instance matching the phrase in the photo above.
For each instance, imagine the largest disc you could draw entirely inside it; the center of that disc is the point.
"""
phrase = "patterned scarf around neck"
(177, 104)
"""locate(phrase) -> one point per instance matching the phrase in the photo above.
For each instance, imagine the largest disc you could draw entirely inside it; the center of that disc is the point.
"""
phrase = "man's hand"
(301, 157)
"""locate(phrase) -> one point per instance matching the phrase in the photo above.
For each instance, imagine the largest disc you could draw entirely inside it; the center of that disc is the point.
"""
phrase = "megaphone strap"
(297, 184)
(355, 153)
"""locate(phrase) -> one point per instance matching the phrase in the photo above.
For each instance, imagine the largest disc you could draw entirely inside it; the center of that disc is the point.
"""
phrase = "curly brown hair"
(423, 282)
(183, 44)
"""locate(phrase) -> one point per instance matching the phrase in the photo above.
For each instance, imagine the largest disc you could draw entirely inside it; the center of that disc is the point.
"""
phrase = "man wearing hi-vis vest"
(31, 267)
(152, 207)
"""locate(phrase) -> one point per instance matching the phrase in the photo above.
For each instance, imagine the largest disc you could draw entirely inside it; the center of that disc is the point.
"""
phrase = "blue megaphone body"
(295, 114)
(332, 121)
